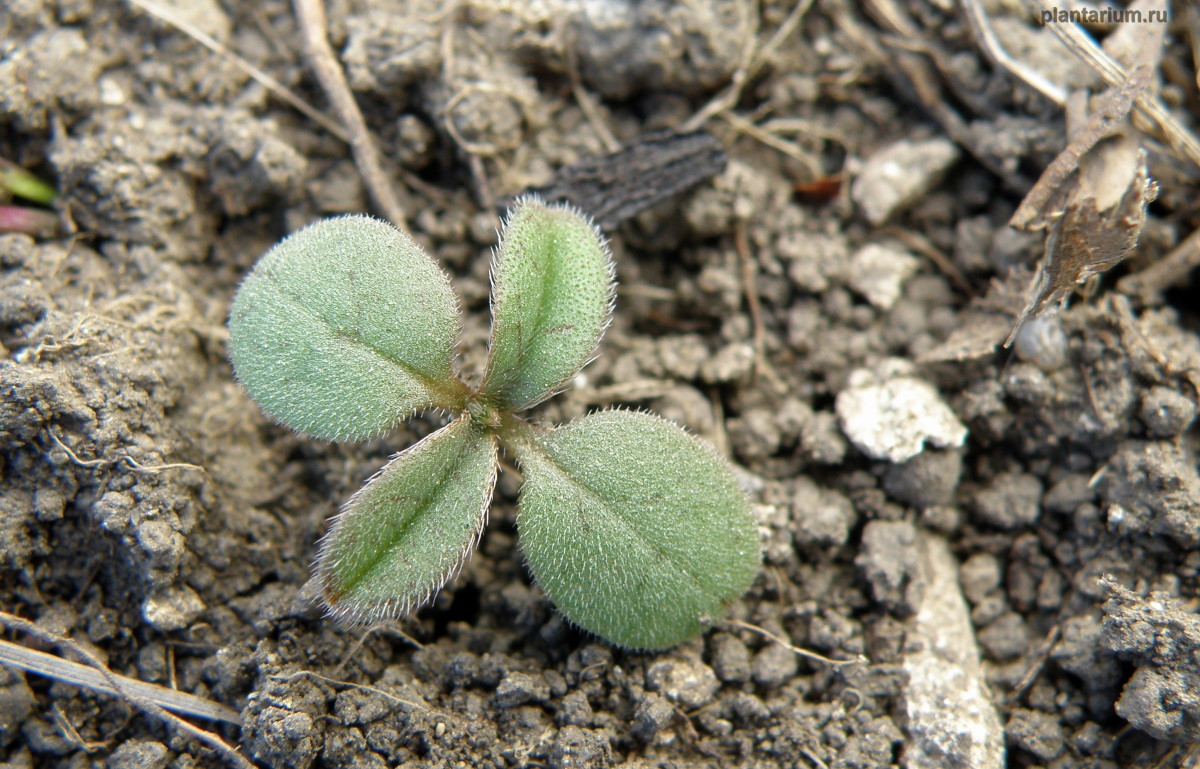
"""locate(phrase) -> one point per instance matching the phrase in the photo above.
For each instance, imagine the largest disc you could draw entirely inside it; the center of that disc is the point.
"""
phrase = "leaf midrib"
(431, 384)
(423, 509)
(629, 525)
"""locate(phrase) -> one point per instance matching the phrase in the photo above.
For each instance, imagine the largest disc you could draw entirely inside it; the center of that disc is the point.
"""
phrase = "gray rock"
(683, 678)
(1156, 634)
(928, 479)
(1038, 733)
(820, 517)
(878, 272)
(1081, 653)
(576, 748)
(1006, 638)
(889, 564)
(138, 754)
(731, 658)
(773, 665)
(1042, 341)
(574, 710)
(518, 688)
(16, 703)
(980, 575)
(654, 714)
(948, 711)
(1013, 500)
(172, 609)
(1152, 487)
(1166, 412)
(729, 364)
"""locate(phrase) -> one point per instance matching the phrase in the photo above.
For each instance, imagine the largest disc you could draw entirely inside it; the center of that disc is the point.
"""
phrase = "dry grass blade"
(310, 15)
(51, 666)
(134, 699)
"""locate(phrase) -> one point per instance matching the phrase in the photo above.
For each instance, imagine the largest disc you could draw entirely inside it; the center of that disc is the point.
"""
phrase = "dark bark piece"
(616, 187)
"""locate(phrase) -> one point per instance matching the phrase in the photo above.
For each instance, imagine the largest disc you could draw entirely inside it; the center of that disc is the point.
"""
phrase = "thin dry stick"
(1114, 74)
(982, 29)
(362, 639)
(921, 244)
(118, 685)
(762, 367)
(256, 74)
(753, 60)
(364, 687)
(310, 15)
(591, 110)
(1041, 657)
(126, 458)
(805, 653)
(811, 164)
(1182, 259)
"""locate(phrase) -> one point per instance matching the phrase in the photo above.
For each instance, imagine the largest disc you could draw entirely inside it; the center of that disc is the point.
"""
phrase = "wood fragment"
(1085, 239)
(1113, 109)
(310, 16)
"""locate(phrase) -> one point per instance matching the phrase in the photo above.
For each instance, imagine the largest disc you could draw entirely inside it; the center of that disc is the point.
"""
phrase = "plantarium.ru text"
(637, 531)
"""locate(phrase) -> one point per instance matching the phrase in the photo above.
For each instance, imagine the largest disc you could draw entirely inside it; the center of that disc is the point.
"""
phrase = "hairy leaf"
(344, 329)
(637, 531)
(552, 291)
(405, 533)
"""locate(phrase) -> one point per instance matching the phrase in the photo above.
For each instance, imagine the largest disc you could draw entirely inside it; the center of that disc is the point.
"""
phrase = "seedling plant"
(637, 531)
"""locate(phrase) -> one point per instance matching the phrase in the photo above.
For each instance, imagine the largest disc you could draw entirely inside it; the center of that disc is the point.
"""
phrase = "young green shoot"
(637, 531)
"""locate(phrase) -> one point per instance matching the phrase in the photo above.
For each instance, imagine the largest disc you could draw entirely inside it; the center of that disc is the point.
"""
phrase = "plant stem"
(518, 436)
(454, 394)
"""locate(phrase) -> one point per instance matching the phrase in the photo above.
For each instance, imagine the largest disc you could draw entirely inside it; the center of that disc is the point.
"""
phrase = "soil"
(1031, 526)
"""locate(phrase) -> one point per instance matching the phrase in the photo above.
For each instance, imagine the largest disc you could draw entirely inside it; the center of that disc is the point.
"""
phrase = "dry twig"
(310, 15)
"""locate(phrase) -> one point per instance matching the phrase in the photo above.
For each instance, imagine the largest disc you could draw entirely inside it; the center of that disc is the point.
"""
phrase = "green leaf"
(552, 293)
(345, 329)
(636, 530)
(408, 531)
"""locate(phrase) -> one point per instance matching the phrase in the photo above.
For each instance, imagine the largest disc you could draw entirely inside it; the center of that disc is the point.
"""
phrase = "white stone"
(878, 272)
(949, 716)
(899, 174)
(890, 414)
